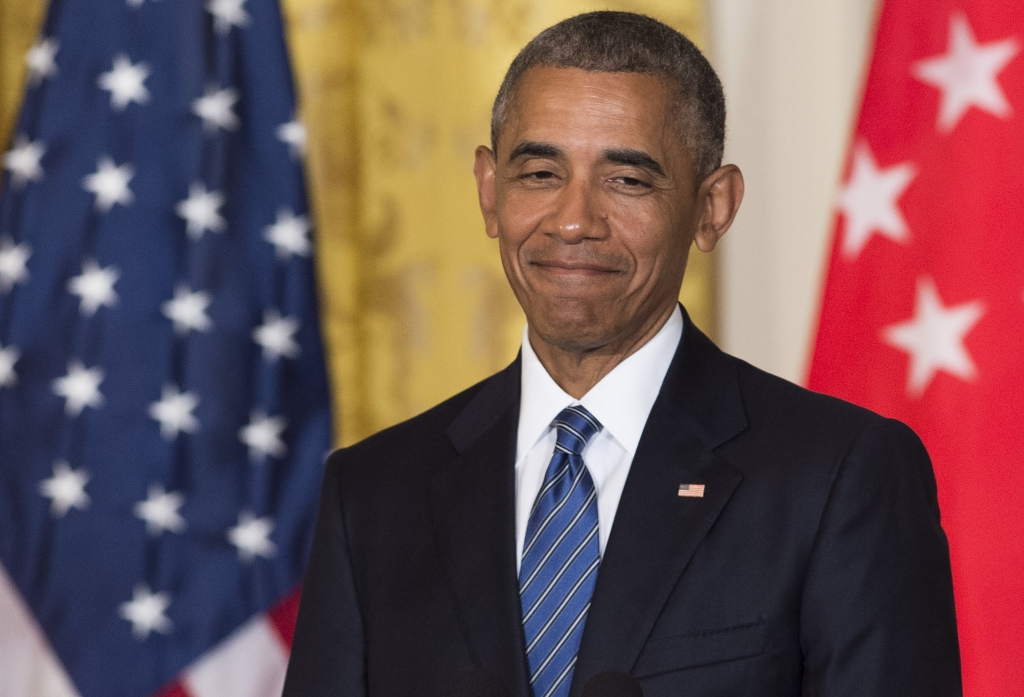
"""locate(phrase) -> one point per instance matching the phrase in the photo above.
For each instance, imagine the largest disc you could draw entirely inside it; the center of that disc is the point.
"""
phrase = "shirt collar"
(621, 401)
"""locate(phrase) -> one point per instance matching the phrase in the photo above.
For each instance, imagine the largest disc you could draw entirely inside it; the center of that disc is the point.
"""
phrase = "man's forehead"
(566, 109)
(543, 86)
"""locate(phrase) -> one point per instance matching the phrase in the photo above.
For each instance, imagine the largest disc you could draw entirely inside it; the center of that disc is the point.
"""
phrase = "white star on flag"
(289, 234)
(95, 287)
(869, 201)
(251, 537)
(262, 435)
(80, 388)
(110, 184)
(125, 82)
(40, 60)
(188, 310)
(160, 511)
(174, 412)
(293, 134)
(934, 337)
(13, 258)
(215, 108)
(146, 611)
(277, 336)
(966, 74)
(8, 357)
(65, 489)
(22, 160)
(201, 211)
(227, 14)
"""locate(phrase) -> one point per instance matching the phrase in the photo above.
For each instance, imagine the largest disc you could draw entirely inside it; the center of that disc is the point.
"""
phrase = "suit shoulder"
(410, 444)
(798, 424)
(777, 400)
(796, 435)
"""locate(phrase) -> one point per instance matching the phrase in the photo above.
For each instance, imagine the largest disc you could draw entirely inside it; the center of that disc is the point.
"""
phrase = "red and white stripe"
(251, 662)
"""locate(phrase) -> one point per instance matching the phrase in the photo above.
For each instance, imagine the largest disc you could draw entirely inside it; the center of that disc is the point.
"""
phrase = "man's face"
(594, 204)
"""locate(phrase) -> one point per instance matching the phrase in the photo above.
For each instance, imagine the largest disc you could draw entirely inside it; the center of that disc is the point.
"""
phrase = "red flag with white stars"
(923, 311)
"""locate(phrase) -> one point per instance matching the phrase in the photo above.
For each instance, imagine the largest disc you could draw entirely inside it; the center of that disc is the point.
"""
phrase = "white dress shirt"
(621, 402)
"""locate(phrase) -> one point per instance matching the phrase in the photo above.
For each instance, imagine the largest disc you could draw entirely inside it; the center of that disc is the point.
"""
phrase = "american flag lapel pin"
(691, 491)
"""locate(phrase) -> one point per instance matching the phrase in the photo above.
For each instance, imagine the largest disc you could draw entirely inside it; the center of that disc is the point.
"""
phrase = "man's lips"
(573, 268)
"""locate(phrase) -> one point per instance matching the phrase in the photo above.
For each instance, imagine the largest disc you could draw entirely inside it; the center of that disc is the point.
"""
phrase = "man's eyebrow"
(532, 148)
(634, 158)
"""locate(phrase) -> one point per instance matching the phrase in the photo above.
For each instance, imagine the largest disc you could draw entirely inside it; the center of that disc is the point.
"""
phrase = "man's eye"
(633, 183)
(541, 174)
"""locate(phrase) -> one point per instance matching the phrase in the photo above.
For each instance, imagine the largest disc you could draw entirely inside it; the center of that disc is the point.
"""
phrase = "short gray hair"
(630, 43)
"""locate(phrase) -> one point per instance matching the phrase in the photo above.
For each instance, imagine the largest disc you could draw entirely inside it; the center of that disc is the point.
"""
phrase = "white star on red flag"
(870, 201)
(967, 74)
(934, 337)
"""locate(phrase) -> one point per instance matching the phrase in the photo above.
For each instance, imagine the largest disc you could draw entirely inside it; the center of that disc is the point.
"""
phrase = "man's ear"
(484, 170)
(719, 196)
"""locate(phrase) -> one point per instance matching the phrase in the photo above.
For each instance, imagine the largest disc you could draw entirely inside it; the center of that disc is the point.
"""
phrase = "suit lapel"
(656, 532)
(473, 504)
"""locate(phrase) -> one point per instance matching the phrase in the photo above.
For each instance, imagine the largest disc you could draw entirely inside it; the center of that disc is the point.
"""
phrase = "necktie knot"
(575, 426)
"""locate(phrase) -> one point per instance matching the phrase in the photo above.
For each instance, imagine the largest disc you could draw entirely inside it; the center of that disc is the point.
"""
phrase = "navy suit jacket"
(813, 565)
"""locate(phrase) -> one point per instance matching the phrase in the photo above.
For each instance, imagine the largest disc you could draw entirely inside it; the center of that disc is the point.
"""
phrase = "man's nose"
(576, 217)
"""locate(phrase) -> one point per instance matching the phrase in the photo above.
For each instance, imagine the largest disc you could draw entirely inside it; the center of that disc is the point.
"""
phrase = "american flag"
(164, 408)
(692, 491)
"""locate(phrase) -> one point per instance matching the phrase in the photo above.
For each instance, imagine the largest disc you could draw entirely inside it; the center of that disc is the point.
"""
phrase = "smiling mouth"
(571, 268)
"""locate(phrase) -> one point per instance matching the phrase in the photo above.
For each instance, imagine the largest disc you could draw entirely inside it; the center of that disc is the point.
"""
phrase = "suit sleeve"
(328, 653)
(877, 615)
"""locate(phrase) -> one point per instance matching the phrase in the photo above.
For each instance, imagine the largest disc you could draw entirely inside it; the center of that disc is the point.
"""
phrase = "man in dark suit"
(624, 496)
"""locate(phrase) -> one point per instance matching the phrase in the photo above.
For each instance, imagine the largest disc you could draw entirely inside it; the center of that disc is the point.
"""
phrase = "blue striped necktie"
(560, 558)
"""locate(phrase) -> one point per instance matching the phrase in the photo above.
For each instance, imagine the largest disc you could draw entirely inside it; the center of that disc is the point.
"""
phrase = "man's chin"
(571, 331)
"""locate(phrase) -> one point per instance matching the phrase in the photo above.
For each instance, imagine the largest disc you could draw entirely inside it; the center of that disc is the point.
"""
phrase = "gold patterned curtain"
(396, 95)
(19, 23)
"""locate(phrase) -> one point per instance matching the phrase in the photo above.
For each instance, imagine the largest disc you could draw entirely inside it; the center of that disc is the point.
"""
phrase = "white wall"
(792, 71)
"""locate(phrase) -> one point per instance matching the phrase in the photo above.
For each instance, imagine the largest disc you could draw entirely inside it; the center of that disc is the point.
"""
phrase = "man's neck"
(577, 372)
